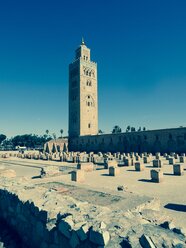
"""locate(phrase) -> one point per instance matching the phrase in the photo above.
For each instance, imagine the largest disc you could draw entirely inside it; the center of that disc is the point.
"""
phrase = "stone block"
(65, 226)
(168, 225)
(158, 154)
(128, 162)
(82, 232)
(178, 169)
(39, 229)
(99, 237)
(111, 163)
(88, 167)
(43, 215)
(157, 163)
(176, 156)
(114, 171)
(44, 245)
(156, 175)
(171, 161)
(139, 166)
(182, 159)
(74, 240)
(167, 157)
(52, 246)
(78, 176)
(146, 242)
(137, 158)
(146, 160)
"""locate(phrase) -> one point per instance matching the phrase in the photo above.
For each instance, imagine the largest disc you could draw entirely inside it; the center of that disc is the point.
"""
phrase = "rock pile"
(46, 217)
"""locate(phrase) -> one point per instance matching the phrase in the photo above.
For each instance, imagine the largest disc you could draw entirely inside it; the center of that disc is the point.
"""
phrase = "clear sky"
(140, 48)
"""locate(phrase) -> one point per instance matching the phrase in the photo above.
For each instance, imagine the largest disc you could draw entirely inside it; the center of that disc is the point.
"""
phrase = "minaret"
(83, 99)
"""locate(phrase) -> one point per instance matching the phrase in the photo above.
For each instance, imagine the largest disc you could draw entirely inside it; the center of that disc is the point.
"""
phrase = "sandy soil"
(171, 192)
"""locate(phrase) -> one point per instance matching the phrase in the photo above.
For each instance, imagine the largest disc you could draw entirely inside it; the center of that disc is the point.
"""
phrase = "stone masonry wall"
(30, 223)
(164, 140)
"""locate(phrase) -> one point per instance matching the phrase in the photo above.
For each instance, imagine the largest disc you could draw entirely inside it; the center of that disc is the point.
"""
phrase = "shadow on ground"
(176, 207)
(146, 180)
(36, 177)
(106, 175)
(168, 174)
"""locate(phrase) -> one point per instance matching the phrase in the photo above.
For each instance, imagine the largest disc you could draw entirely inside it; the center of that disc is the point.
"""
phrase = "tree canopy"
(2, 138)
(29, 140)
(116, 129)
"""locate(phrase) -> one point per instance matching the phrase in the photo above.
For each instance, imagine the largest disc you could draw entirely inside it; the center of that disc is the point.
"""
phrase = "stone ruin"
(55, 219)
(91, 161)
(59, 220)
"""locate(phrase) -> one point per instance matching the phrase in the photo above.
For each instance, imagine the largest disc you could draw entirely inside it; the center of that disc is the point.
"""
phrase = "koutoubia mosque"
(83, 118)
(83, 94)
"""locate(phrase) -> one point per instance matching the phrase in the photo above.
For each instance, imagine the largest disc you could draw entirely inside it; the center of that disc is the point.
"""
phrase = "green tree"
(128, 129)
(2, 138)
(133, 129)
(100, 131)
(30, 140)
(116, 129)
(61, 131)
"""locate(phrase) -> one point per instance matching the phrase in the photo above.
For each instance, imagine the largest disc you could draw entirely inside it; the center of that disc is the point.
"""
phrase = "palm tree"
(100, 131)
(139, 129)
(128, 129)
(47, 131)
(133, 129)
(61, 131)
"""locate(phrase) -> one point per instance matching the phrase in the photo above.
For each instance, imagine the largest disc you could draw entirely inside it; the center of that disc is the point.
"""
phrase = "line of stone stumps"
(88, 162)
(111, 162)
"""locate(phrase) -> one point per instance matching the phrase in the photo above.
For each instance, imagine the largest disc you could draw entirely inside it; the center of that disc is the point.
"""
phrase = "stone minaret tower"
(83, 99)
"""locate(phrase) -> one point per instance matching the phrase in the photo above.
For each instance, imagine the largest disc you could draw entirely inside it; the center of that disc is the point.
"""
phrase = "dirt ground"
(171, 191)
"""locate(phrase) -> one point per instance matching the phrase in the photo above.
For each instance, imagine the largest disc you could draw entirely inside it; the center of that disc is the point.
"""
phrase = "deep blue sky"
(140, 48)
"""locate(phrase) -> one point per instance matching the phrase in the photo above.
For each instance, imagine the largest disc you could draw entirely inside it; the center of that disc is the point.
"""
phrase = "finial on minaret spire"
(82, 41)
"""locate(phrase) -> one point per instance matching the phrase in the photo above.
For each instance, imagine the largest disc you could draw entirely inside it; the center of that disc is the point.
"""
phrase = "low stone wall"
(85, 225)
(36, 229)
(30, 223)
(163, 140)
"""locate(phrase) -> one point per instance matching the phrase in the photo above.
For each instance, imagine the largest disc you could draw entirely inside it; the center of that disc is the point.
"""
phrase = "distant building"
(83, 119)
(56, 145)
